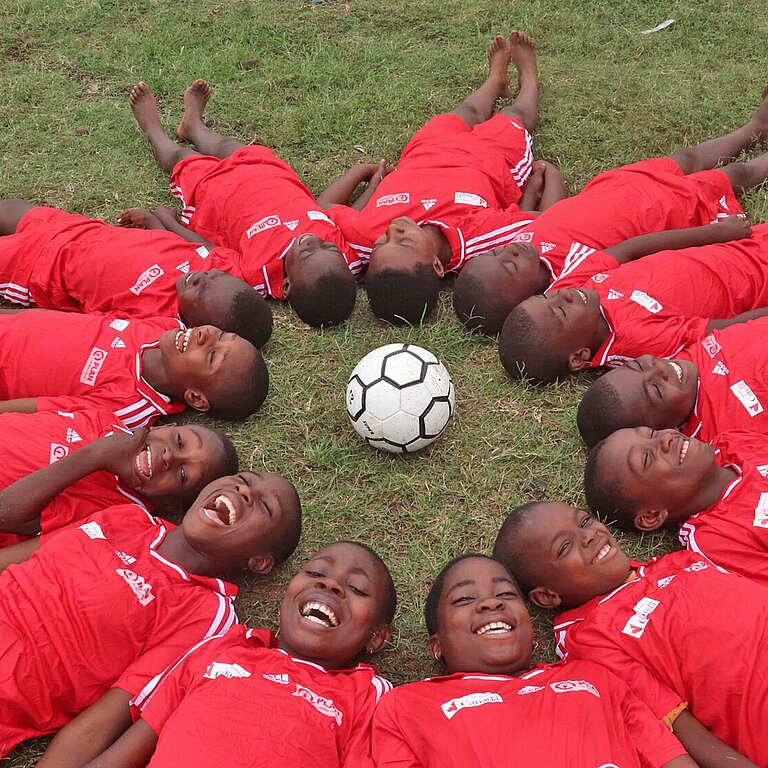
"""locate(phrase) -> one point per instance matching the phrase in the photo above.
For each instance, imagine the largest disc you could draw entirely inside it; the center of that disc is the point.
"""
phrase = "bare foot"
(195, 99)
(144, 108)
(759, 121)
(499, 56)
(523, 53)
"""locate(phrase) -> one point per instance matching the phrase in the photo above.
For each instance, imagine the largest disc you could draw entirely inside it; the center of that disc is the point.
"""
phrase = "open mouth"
(143, 463)
(684, 450)
(182, 338)
(605, 550)
(494, 628)
(677, 369)
(583, 296)
(319, 613)
(221, 511)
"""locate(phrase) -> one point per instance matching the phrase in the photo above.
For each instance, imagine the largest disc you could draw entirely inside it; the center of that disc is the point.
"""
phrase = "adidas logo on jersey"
(58, 451)
(141, 588)
(665, 582)
(450, 708)
(292, 224)
(183, 267)
(93, 530)
(724, 203)
(762, 469)
(614, 294)
(222, 669)
(526, 689)
(720, 369)
(73, 436)
(127, 559)
(117, 343)
(547, 247)
(281, 679)
(428, 203)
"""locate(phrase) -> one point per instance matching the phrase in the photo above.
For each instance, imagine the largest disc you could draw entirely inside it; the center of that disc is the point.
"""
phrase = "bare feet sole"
(195, 99)
(499, 57)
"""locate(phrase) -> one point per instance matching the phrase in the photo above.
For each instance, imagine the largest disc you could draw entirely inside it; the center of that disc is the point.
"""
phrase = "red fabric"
(52, 356)
(733, 380)
(238, 700)
(565, 715)
(96, 607)
(253, 203)
(703, 642)
(65, 261)
(734, 532)
(465, 181)
(649, 196)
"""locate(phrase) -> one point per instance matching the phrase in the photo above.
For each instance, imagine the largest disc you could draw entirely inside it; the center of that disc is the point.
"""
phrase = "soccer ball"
(400, 398)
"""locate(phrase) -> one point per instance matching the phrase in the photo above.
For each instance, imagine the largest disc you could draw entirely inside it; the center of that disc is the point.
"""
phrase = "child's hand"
(134, 218)
(384, 169)
(117, 454)
(733, 228)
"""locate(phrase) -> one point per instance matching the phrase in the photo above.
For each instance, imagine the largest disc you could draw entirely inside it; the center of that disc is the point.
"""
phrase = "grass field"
(335, 83)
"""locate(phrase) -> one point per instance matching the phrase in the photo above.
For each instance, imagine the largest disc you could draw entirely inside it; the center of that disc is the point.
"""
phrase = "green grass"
(316, 82)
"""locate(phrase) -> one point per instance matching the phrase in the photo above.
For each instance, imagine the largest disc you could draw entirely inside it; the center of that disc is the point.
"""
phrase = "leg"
(144, 107)
(526, 106)
(709, 153)
(11, 212)
(194, 130)
(744, 176)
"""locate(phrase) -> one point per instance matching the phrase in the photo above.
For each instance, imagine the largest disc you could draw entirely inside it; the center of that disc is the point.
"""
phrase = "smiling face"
(568, 555)
(482, 622)
(333, 608)
(655, 392)
(402, 246)
(238, 520)
(205, 298)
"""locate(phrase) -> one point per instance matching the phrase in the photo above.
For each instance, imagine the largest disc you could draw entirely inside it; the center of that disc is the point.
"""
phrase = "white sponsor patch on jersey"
(523, 237)
(762, 469)
(279, 679)
(73, 436)
(399, 198)
(665, 582)
(323, 705)
(646, 301)
(119, 325)
(58, 451)
(600, 277)
(711, 345)
(699, 565)
(320, 216)
(613, 294)
(573, 686)
(761, 512)
(93, 530)
(183, 267)
(203, 252)
(92, 366)
(469, 198)
(268, 222)
(721, 369)
(747, 398)
(292, 224)
(117, 343)
(141, 588)
(547, 247)
(450, 708)
(429, 203)
(126, 558)
(635, 626)
(66, 414)
(526, 689)
(146, 278)
(222, 669)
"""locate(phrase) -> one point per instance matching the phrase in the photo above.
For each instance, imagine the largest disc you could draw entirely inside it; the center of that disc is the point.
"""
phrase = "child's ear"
(651, 519)
(286, 287)
(196, 400)
(261, 564)
(544, 597)
(378, 639)
(437, 265)
(579, 360)
(434, 646)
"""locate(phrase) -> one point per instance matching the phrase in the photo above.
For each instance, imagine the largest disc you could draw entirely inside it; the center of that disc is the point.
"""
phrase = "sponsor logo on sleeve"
(323, 705)
(450, 708)
(573, 686)
(222, 669)
(646, 301)
(92, 366)
(400, 198)
(320, 216)
(73, 436)
(93, 530)
(761, 512)
(469, 198)
(635, 626)
(721, 369)
(146, 278)
(202, 252)
(58, 451)
(747, 398)
(141, 588)
(119, 325)
(711, 345)
(428, 203)
(600, 277)
(268, 222)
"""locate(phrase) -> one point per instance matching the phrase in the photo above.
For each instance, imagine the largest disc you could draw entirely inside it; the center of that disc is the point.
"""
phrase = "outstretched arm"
(19, 405)
(731, 228)
(18, 553)
(753, 314)
(338, 192)
(544, 188)
(162, 218)
(705, 748)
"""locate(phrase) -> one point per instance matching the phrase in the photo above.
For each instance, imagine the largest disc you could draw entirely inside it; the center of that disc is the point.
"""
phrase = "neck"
(545, 278)
(177, 549)
(601, 334)
(442, 246)
(710, 493)
(324, 663)
(154, 373)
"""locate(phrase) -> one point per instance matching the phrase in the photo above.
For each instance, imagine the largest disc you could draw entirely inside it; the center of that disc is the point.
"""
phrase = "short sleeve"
(390, 746)
(593, 264)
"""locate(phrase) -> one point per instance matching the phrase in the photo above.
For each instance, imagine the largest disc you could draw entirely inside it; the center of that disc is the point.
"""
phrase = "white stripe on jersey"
(381, 685)
(134, 499)
(133, 418)
(478, 242)
(575, 256)
(18, 294)
(522, 170)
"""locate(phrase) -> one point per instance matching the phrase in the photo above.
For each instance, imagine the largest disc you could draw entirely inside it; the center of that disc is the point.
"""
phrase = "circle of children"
(118, 628)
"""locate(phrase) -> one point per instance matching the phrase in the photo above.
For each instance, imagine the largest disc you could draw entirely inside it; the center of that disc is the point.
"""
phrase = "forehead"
(474, 569)
(347, 556)
(546, 521)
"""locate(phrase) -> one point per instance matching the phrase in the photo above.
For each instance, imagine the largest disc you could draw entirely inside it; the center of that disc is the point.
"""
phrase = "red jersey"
(733, 380)
(30, 441)
(52, 355)
(254, 203)
(239, 700)
(734, 532)
(466, 181)
(65, 261)
(649, 196)
(97, 606)
(684, 630)
(565, 715)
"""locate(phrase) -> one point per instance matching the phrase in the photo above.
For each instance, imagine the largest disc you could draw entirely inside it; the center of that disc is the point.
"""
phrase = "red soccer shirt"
(734, 532)
(254, 203)
(97, 606)
(52, 355)
(464, 181)
(733, 380)
(649, 196)
(65, 261)
(565, 715)
(684, 630)
(239, 700)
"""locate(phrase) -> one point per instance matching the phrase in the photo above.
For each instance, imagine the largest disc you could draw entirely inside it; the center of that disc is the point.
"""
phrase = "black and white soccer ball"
(400, 398)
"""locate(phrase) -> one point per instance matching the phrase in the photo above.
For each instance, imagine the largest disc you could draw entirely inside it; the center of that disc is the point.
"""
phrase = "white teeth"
(684, 450)
(139, 465)
(187, 334)
(319, 613)
(226, 502)
(583, 295)
(677, 369)
(603, 552)
(494, 628)
(186, 279)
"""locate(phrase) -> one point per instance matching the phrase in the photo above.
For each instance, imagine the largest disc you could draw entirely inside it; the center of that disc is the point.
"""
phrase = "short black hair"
(604, 495)
(250, 317)
(288, 540)
(403, 297)
(478, 307)
(528, 352)
(504, 546)
(230, 463)
(600, 412)
(330, 300)
(390, 592)
(247, 395)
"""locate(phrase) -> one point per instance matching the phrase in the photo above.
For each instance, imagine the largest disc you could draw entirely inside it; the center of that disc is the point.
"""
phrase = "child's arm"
(19, 405)
(753, 314)
(18, 553)
(22, 502)
(544, 188)
(162, 218)
(338, 192)
(731, 228)
(705, 748)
